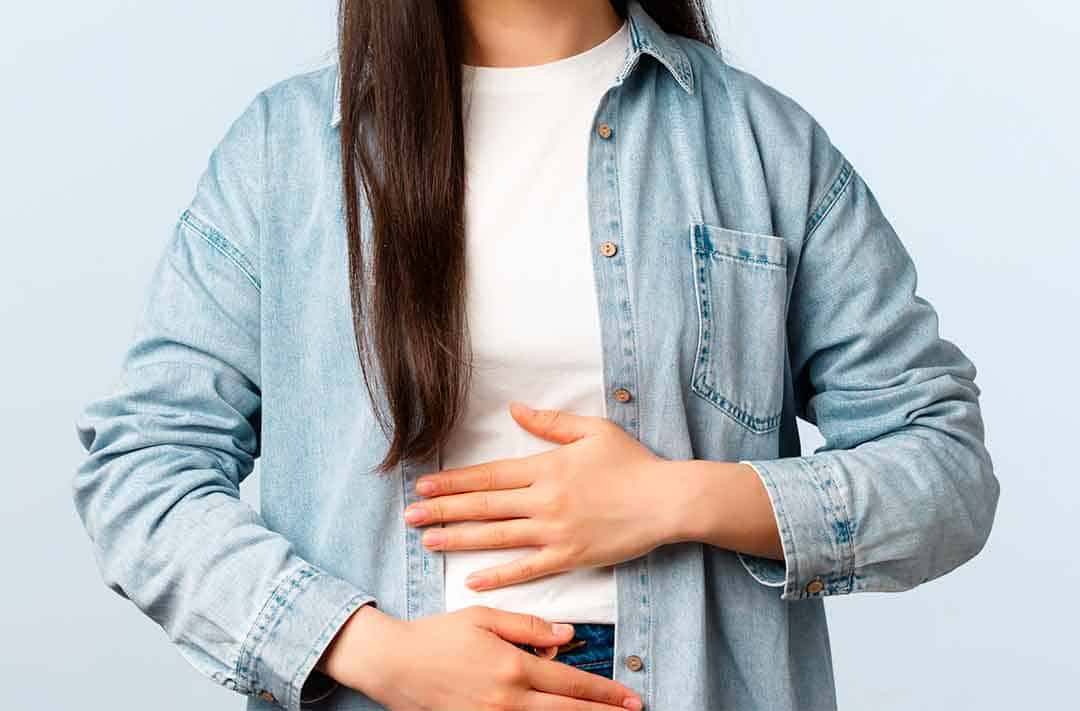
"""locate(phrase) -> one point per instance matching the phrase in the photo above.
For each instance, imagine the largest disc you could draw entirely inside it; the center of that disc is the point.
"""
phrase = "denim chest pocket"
(741, 284)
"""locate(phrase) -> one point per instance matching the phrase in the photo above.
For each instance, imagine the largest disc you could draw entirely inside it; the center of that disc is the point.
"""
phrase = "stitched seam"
(742, 259)
(760, 425)
(845, 547)
(627, 302)
(264, 164)
(699, 376)
(826, 483)
(243, 668)
(678, 65)
(825, 206)
(283, 599)
(644, 561)
(219, 242)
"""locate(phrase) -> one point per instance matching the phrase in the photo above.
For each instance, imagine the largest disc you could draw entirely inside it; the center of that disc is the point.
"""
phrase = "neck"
(517, 33)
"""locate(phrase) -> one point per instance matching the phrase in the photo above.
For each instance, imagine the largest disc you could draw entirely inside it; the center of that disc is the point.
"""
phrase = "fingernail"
(433, 538)
(561, 628)
(632, 704)
(414, 515)
(475, 580)
(424, 488)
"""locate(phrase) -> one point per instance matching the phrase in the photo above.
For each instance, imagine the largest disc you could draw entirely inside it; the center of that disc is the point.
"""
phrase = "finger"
(499, 534)
(474, 506)
(555, 425)
(510, 473)
(529, 567)
(565, 680)
(522, 628)
(541, 700)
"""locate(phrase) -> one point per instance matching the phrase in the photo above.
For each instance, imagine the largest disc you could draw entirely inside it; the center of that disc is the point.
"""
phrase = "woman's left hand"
(599, 499)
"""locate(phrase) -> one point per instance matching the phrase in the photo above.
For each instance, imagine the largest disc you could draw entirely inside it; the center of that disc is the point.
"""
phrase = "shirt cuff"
(293, 630)
(815, 533)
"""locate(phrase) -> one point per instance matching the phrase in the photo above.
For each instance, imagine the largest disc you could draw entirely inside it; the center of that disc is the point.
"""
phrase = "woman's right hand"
(465, 660)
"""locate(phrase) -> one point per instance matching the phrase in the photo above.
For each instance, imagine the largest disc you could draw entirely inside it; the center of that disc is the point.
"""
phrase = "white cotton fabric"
(532, 307)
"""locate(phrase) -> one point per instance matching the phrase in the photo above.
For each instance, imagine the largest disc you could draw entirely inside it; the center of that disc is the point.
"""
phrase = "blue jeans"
(591, 649)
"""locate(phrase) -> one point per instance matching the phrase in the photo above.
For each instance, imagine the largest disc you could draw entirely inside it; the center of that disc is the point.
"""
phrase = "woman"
(574, 205)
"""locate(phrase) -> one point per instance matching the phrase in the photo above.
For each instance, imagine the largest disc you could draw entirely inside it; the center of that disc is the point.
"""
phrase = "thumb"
(526, 629)
(553, 425)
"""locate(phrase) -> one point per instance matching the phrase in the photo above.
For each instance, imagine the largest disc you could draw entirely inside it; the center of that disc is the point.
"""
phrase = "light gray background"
(962, 117)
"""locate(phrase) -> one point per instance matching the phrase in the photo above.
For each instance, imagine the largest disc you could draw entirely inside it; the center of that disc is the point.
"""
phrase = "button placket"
(621, 376)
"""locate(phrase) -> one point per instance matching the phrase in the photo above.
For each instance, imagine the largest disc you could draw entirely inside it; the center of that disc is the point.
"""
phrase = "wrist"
(687, 487)
(723, 504)
(357, 656)
(677, 517)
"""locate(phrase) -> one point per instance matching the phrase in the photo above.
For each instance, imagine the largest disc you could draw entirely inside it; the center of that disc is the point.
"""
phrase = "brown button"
(622, 395)
(608, 249)
(815, 586)
(266, 696)
(634, 663)
(604, 130)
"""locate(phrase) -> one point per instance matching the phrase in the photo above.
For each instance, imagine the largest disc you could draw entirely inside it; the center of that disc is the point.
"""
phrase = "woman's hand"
(599, 499)
(465, 660)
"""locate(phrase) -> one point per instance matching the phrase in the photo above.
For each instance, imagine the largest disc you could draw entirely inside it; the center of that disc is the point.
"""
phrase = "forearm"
(721, 503)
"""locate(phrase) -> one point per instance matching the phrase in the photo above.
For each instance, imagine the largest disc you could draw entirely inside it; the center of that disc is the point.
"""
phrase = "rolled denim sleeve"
(167, 450)
(903, 490)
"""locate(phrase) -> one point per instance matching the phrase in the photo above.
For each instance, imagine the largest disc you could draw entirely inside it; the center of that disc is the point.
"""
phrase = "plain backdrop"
(961, 116)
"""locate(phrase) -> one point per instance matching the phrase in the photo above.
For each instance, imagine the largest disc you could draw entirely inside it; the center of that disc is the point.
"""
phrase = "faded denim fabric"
(756, 280)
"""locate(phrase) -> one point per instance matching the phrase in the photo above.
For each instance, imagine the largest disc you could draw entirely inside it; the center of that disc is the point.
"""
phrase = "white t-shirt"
(532, 308)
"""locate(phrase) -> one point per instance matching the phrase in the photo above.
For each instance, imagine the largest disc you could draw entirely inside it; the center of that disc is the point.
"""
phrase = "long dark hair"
(402, 140)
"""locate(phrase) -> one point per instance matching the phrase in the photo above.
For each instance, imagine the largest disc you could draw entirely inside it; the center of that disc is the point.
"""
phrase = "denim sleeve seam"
(218, 241)
(841, 526)
(786, 537)
(277, 601)
(792, 586)
(828, 201)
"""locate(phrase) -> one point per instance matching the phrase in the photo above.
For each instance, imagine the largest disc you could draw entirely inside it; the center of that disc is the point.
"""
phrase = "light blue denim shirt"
(756, 280)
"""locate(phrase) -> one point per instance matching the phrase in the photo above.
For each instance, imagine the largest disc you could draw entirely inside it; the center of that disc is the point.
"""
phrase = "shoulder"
(279, 115)
(294, 107)
(305, 97)
(723, 86)
(282, 123)
(792, 145)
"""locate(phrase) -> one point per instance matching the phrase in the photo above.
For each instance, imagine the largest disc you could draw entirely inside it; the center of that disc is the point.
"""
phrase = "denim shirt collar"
(646, 36)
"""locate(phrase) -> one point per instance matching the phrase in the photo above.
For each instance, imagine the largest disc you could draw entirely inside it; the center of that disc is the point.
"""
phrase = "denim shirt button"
(604, 130)
(815, 586)
(266, 696)
(608, 249)
(622, 395)
(634, 663)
